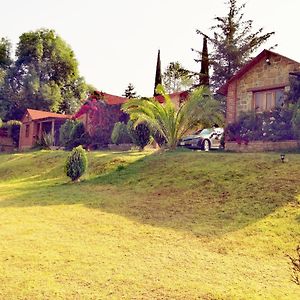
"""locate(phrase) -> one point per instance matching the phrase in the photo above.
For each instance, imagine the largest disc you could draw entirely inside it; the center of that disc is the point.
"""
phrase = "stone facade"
(260, 146)
(267, 71)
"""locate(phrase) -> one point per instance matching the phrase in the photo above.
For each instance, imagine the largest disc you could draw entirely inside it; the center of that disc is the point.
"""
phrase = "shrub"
(101, 137)
(76, 163)
(267, 126)
(78, 136)
(65, 132)
(13, 127)
(296, 121)
(46, 141)
(120, 134)
(140, 135)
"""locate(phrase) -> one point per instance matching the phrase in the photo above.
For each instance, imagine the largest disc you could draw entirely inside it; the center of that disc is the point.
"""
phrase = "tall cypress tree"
(204, 75)
(158, 79)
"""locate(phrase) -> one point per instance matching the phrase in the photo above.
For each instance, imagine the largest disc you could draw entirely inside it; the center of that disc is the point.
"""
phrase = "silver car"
(205, 139)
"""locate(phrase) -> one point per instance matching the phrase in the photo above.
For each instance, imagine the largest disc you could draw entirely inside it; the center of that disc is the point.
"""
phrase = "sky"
(116, 41)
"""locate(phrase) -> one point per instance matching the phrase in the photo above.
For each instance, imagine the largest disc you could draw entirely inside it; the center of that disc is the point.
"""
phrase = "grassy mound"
(181, 225)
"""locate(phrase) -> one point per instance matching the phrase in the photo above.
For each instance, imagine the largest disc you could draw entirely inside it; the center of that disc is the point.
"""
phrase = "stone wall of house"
(231, 102)
(260, 146)
(261, 76)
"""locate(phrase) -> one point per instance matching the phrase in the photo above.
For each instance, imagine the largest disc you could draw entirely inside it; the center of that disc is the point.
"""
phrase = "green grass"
(181, 225)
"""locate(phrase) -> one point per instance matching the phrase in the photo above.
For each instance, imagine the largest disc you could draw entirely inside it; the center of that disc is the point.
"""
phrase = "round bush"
(140, 134)
(76, 163)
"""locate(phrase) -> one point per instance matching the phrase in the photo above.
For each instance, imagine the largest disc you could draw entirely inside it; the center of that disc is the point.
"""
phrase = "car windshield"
(206, 131)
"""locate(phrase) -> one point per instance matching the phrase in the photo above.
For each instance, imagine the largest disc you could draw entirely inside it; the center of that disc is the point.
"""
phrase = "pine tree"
(233, 42)
(130, 93)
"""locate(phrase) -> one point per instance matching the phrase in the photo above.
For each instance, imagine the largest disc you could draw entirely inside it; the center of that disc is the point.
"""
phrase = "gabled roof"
(39, 114)
(264, 54)
(112, 99)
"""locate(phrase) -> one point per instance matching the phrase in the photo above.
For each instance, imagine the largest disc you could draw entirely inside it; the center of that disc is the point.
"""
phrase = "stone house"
(259, 86)
(35, 123)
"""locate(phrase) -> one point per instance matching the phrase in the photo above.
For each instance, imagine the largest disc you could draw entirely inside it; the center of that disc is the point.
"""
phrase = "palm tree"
(172, 123)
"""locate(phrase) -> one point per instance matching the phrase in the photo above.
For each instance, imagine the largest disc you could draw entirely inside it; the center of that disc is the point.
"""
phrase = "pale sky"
(116, 41)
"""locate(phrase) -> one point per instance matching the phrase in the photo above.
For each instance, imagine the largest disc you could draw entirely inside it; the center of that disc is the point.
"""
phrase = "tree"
(44, 75)
(130, 92)
(176, 78)
(76, 163)
(170, 123)
(204, 72)
(233, 42)
(5, 59)
(5, 62)
(158, 79)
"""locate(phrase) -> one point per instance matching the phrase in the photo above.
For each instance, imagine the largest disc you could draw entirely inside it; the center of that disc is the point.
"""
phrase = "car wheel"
(206, 145)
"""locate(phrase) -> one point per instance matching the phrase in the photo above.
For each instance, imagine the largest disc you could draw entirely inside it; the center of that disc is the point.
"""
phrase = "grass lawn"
(181, 225)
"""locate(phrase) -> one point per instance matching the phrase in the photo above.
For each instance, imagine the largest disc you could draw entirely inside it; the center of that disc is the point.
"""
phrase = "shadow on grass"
(206, 194)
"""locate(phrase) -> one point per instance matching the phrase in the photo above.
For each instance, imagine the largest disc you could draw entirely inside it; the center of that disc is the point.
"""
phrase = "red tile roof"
(39, 114)
(264, 54)
(113, 100)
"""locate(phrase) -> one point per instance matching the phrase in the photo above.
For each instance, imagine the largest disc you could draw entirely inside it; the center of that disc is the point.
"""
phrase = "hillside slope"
(181, 225)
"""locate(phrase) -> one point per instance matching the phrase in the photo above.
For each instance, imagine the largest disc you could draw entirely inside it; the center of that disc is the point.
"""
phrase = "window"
(267, 100)
(27, 131)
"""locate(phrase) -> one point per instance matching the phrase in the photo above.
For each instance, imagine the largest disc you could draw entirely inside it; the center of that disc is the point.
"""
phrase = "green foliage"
(140, 134)
(267, 126)
(176, 78)
(13, 130)
(1, 122)
(172, 123)
(5, 59)
(44, 76)
(65, 132)
(294, 92)
(78, 136)
(120, 134)
(76, 163)
(46, 141)
(296, 121)
(233, 42)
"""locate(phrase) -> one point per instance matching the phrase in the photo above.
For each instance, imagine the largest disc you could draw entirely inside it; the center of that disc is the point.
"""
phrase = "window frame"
(266, 93)
(27, 130)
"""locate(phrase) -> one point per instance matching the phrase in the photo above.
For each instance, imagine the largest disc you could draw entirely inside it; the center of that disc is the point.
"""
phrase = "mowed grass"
(181, 225)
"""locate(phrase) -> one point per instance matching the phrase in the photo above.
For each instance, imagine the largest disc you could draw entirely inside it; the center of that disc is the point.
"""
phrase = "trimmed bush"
(140, 135)
(76, 163)
(120, 134)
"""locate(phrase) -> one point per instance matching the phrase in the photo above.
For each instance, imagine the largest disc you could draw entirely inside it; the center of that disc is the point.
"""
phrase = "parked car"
(205, 139)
